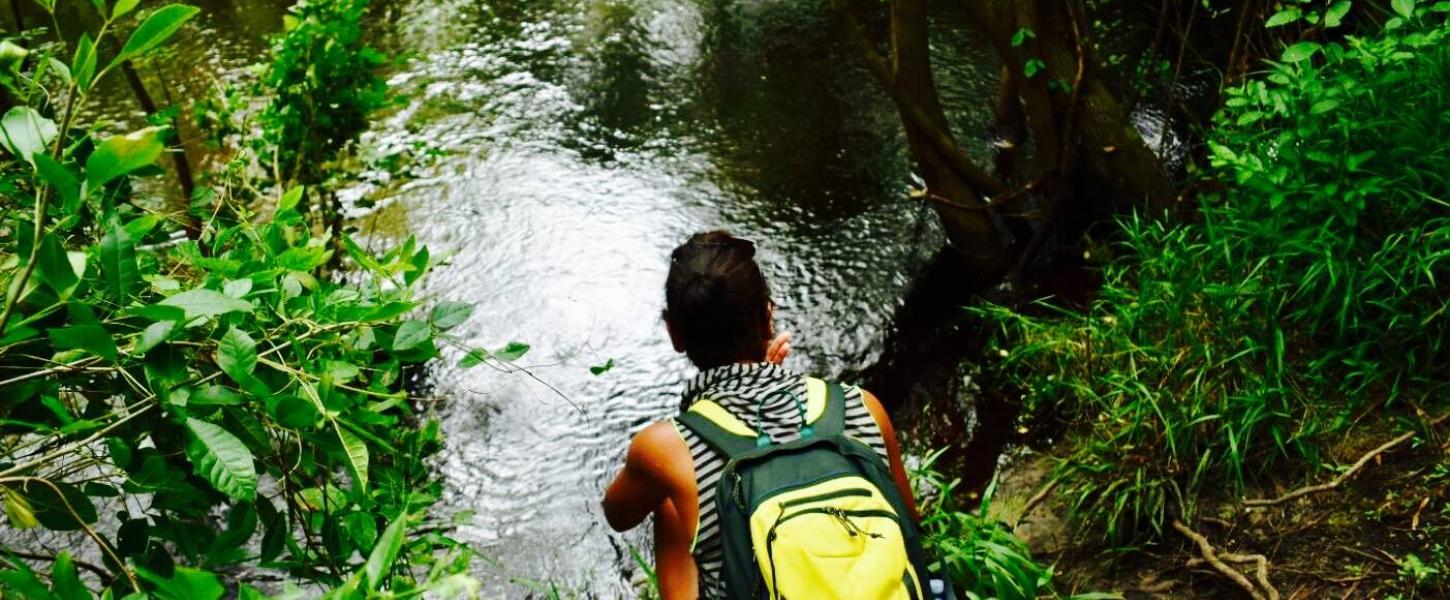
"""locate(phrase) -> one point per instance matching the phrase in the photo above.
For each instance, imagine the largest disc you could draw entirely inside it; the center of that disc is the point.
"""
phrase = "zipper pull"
(841, 518)
(739, 495)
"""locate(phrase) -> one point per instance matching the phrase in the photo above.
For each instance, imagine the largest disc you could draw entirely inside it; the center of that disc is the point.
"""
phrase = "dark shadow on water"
(931, 375)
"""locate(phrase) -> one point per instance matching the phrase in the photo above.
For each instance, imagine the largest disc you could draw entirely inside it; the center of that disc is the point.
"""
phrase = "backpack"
(818, 517)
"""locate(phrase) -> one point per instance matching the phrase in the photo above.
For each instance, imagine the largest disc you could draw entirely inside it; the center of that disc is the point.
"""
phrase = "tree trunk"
(179, 158)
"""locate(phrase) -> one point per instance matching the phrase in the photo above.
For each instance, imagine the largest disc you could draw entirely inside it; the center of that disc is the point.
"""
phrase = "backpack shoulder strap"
(720, 429)
(833, 418)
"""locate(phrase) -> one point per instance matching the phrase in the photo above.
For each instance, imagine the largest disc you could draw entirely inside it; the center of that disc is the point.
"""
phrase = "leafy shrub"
(1312, 284)
(226, 403)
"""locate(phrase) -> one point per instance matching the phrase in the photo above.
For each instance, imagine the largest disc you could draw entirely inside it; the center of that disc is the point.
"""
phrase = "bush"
(1311, 288)
(230, 406)
(981, 557)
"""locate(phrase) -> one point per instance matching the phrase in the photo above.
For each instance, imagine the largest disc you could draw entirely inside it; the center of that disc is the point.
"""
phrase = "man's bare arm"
(640, 486)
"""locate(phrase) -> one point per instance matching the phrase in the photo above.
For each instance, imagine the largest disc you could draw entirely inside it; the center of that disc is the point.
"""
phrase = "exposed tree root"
(1343, 477)
(1264, 591)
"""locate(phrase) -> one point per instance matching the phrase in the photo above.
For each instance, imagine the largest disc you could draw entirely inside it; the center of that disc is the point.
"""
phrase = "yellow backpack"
(817, 518)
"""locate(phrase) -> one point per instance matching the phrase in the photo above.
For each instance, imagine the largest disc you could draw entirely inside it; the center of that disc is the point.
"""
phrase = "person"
(718, 312)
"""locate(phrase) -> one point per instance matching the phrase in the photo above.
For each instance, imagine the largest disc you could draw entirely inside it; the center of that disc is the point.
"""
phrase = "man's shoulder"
(660, 439)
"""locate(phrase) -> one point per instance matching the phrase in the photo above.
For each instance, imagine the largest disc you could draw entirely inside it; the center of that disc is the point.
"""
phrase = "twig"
(50, 371)
(1339, 480)
(102, 573)
(1036, 499)
(1261, 570)
(1206, 550)
(49, 456)
(91, 533)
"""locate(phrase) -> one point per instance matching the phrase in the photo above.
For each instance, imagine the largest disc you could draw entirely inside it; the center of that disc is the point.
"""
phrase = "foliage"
(227, 404)
(979, 554)
(1311, 284)
(325, 85)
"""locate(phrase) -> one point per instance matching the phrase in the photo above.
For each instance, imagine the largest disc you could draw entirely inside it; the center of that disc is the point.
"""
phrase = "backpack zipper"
(842, 516)
(826, 496)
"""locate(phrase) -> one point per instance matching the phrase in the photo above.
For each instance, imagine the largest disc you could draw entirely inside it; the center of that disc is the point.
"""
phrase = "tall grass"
(1311, 289)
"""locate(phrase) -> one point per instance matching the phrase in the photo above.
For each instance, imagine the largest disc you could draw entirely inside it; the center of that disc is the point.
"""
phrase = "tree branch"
(1343, 477)
(917, 117)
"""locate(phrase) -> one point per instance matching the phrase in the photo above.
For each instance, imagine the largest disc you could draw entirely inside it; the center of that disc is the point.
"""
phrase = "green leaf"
(83, 66)
(1033, 66)
(304, 258)
(221, 459)
(59, 177)
(65, 581)
(511, 352)
(155, 30)
(474, 358)
(237, 288)
(214, 395)
(359, 254)
(118, 262)
(122, 7)
(290, 199)
(202, 302)
(293, 412)
(448, 315)
(602, 369)
(1406, 8)
(1022, 35)
(154, 334)
(48, 5)
(357, 457)
(122, 154)
(91, 338)
(1284, 17)
(341, 372)
(237, 355)
(25, 583)
(385, 553)
(411, 334)
(24, 132)
(185, 583)
(67, 511)
(1300, 52)
(1335, 14)
(18, 510)
(53, 266)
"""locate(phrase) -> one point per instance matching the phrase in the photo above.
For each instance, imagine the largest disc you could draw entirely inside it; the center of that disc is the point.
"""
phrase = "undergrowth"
(1309, 292)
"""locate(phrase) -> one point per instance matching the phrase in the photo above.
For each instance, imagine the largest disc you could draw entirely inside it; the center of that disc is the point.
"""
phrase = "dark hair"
(717, 301)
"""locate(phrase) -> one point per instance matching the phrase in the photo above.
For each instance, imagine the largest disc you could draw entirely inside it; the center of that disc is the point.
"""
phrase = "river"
(583, 139)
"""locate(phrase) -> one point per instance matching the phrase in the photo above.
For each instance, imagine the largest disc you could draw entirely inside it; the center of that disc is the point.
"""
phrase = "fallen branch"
(1205, 549)
(1037, 499)
(1343, 477)
(1261, 570)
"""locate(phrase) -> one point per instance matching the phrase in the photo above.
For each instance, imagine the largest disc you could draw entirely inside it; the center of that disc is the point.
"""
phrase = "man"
(719, 313)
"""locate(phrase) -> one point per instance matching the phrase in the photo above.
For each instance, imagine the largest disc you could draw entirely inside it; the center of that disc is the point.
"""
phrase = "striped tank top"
(739, 388)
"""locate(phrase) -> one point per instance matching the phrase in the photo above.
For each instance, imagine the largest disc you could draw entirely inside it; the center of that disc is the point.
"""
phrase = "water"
(584, 139)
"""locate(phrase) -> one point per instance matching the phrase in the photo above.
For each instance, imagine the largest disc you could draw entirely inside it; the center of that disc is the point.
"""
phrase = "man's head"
(717, 304)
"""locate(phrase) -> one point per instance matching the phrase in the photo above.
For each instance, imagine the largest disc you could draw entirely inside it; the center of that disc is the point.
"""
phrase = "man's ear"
(675, 339)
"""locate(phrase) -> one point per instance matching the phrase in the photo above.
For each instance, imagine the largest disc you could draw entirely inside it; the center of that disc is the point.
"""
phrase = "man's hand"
(778, 348)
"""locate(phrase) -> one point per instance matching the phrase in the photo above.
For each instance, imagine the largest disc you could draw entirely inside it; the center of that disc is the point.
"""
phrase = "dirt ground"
(1383, 534)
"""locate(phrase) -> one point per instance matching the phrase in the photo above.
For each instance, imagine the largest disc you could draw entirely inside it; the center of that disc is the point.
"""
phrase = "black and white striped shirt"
(738, 389)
